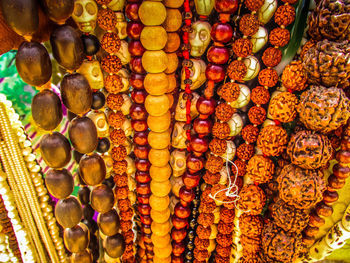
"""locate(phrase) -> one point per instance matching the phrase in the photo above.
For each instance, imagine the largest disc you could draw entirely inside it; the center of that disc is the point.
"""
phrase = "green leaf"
(296, 34)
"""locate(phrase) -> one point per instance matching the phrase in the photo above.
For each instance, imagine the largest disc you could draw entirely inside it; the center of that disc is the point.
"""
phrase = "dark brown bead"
(316, 221)
(345, 143)
(308, 241)
(311, 231)
(343, 156)
(324, 210)
(330, 197)
(335, 183)
(340, 171)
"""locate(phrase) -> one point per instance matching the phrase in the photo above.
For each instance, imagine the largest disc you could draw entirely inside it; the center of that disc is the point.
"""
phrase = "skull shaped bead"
(85, 15)
(199, 38)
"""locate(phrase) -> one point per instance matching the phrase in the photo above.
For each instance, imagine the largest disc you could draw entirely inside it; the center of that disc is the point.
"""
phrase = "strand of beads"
(180, 135)
(118, 105)
(8, 236)
(154, 60)
(138, 116)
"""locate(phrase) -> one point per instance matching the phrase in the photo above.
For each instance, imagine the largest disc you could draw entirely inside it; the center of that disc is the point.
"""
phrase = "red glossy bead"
(178, 248)
(221, 32)
(143, 189)
(191, 180)
(138, 125)
(177, 259)
(147, 220)
(342, 172)
(335, 183)
(324, 210)
(138, 112)
(142, 177)
(132, 11)
(343, 156)
(136, 65)
(330, 197)
(182, 211)
(134, 30)
(218, 55)
(141, 152)
(206, 106)
(146, 229)
(202, 127)
(143, 199)
(135, 48)
(215, 72)
(144, 209)
(186, 195)
(178, 235)
(146, 238)
(199, 145)
(139, 95)
(179, 223)
(136, 80)
(194, 163)
(142, 165)
(226, 6)
(141, 138)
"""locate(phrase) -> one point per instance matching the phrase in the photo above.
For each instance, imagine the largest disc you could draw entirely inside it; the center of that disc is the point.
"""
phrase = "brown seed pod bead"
(250, 133)
(218, 146)
(341, 171)
(117, 136)
(324, 210)
(106, 19)
(110, 42)
(279, 37)
(214, 164)
(116, 119)
(335, 183)
(242, 47)
(210, 178)
(272, 57)
(249, 24)
(242, 167)
(111, 64)
(343, 157)
(119, 167)
(224, 112)
(245, 151)
(253, 5)
(268, 77)
(221, 130)
(260, 95)
(229, 91)
(237, 70)
(113, 84)
(315, 220)
(119, 153)
(330, 197)
(284, 15)
(115, 101)
(257, 115)
(311, 231)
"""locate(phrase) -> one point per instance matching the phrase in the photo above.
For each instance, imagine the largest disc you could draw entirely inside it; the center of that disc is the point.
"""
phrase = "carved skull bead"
(197, 74)
(199, 38)
(178, 162)
(85, 15)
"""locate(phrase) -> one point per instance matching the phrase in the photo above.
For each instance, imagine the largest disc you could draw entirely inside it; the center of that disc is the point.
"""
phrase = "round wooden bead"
(161, 188)
(152, 13)
(341, 171)
(324, 210)
(159, 157)
(156, 83)
(173, 20)
(153, 37)
(343, 156)
(160, 174)
(154, 61)
(316, 221)
(159, 123)
(157, 105)
(159, 140)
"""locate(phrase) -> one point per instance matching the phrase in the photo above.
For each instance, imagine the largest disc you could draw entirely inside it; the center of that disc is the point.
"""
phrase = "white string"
(232, 189)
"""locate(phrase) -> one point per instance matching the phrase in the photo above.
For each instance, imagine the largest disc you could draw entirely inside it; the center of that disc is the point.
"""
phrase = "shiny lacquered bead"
(215, 72)
(132, 10)
(324, 210)
(139, 125)
(136, 80)
(218, 55)
(202, 127)
(182, 211)
(146, 220)
(194, 164)
(329, 197)
(221, 32)
(316, 221)
(226, 6)
(206, 106)
(138, 112)
(144, 209)
(199, 145)
(179, 223)
(143, 199)
(136, 65)
(134, 30)
(135, 48)
(141, 138)
(178, 234)
(343, 156)
(178, 248)
(340, 171)
(311, 231)
(191, 180)
(335, 183)
(142, 177)
(186, 195)
(142, 165)
(139, 95)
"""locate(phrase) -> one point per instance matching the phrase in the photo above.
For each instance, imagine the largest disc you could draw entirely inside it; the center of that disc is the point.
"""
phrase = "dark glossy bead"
(178, 248)
(193, 223)
(143, 188)
(134, 30)
(139, 96)
(131, 11)
(136, 80)
(141, 138)
(139, 125)
(91, 224)
(144, 209)
(109, 182)
(343, 157)
(330, 196)
(91, 44)
(190, 245)
(143, 199)
(186, 195)
(226, 6)
(135, 48)
(218, 55)
(142, 177)
(215, 72)
(77, 156)
(206, 106)
(177, 259)
(202, 127)
(335, 183)
(147, 220)
(103, 145)
(178, 234)
(138, 112)
(191, 180)
(182, 211)
(84, 195)
(141, 152)
(98, 100)
(324, 210)
(340, 171)
(194, 164)
(142, 164)
(71, 115)
(199, 145)
(189, 255)
(191, 234)
(136, 65)
(221, 32)
(179, 223)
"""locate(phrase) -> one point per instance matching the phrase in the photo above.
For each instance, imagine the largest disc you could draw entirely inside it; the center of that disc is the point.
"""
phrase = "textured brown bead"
(345, 143)
(311, 231)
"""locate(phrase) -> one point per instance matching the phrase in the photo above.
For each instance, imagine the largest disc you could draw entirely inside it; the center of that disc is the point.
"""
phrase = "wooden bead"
(330, 197)
(153, 37)
(316, 221)
(324, 210)
(343, 156)
(308, 241)
(154, 61)
(341, 171)
(311, 231)
(335, 183)
(173, 62)
(157, 105)
(152, 13)
(156, 83)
